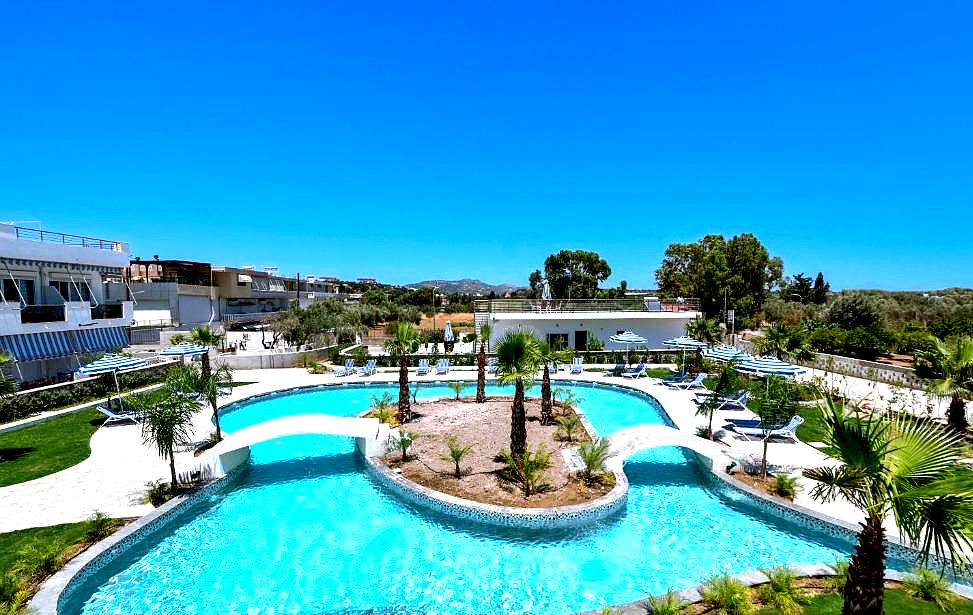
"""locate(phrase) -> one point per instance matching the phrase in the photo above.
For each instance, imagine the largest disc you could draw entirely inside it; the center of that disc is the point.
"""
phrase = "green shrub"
(727, 596)
(703, 431)
(785, 486)
(567, 424)
(926, 585)
(9, 588)
(594, 455)
(157, 493)
(840, 578)
(38, 561)
(401, 443)
(98, 526)
(456, 451)
(457, 388)
(668, 604)
(782, 592)
(527, 470)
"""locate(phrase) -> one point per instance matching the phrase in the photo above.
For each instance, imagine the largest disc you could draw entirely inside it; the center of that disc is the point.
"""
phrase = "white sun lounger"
(636, 372)
(737, 402)
(117, 417)
(695, 383)
(491, 366)
(753, 428)
(348, 369)
(576, 365)
(369, 368)
(442, 366)
(423, 368)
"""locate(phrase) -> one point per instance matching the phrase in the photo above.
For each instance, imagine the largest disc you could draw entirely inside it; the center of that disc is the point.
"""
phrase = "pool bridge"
(628, 441)
(371, 437)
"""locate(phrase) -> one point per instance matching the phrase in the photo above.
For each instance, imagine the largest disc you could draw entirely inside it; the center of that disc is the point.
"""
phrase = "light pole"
(434, 289)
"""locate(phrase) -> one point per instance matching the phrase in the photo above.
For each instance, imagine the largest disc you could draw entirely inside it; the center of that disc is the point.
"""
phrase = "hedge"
(469, 359)
(73, 393)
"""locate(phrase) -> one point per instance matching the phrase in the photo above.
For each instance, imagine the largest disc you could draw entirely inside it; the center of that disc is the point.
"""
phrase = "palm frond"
(845, 481)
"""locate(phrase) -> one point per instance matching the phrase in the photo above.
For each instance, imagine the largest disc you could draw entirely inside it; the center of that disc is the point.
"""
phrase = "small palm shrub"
(594, 455)
(565, 398)
(727, 596)
(383, 409)
(401, 443)
(840, 578)
(568, 425)
(527, 469)
(607, 610)
(457, 388)
(668, 604)
(456, 451)
(785, 486)
(782, 592)
(926, 585)
(703, 432)
(415, 392)
(39, 561)
(157, 493)
(98, 526)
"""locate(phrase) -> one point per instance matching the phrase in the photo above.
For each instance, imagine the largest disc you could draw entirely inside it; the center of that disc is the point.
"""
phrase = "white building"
(63, 298)
(572, 324)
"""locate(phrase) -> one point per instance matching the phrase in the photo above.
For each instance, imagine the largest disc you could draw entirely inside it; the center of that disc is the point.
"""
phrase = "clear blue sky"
(410, 141)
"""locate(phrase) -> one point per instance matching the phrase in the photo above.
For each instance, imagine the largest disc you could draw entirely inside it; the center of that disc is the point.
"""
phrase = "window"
(69, 290)
(557, 341)
(11, 295)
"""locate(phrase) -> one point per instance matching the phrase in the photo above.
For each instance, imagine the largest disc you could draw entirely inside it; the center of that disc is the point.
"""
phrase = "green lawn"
(47, 447)
(12, 542)
(896, 603)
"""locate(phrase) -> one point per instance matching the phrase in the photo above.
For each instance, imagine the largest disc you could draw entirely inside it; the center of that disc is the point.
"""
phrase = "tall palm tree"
(950, 367)
(406, 340)
(903, 466)
(204, 336)
(189, 378)
(8, 384)
(481, 364)
(704, 330)
(166, 416)
(548, 356)
(518, 357)
(782, 341)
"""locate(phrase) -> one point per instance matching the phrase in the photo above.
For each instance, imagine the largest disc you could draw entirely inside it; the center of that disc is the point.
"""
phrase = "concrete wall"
(652, 329)
(274, 360)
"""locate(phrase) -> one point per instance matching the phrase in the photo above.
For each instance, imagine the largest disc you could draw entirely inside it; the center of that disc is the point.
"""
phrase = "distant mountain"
(466, 286)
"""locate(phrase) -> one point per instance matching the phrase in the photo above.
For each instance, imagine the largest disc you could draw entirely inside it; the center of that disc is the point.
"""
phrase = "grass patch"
(12, 543)
(659, 372)
(48, 447)
(896, 601)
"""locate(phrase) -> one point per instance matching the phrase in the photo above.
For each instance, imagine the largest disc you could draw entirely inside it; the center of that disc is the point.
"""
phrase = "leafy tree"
(572, 274)
(819, 293)
(209, 386)
(796, 288)
(166, 416)
(739, 271)
(204, 336)
(519, 356)
(8, 385)
(775, 405)
(901, 466)
(854, 311)
(948, 368)
(726, 384)
(406, 341)
(481, 364)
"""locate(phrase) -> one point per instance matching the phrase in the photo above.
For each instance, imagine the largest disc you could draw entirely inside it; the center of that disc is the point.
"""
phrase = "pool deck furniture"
(695, 383)
(636, 372)
(617, 370)
(117, 417)
(677, 377)
(491, 366)
(442, 366)
(348, 369)
(423, 368)
(733, 402)
(576, 365)
(752, 427)
(369, 368)
(552, 367)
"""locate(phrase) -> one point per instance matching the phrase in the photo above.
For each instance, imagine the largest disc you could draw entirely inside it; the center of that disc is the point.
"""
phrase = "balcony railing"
(41, 313)
(106, 311)
(65, 239)
(628, 304)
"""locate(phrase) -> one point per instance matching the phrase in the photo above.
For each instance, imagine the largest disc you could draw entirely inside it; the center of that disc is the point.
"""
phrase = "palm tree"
(905, 467)
(783, 340)
(8, 384)
(548, 356)
(950, 367)
(204, 336)
(704, 330)
(406, 340)
(189, 378)
(725, 385)
(481, 364)
(518, 357)
(166, 416)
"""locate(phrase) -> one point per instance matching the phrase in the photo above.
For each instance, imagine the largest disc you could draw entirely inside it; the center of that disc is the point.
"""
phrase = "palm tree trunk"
(547, 405)
(481, 374)
(956, 415)
(405, 410)
(207, 374)
(172, 472)
(216, 422)
(518, 421)
(865, 588)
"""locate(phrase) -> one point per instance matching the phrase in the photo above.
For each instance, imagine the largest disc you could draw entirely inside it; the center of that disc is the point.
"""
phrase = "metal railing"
(632, 304)
(65, 239)
(249, 316)
(41, 313)
(106, 311)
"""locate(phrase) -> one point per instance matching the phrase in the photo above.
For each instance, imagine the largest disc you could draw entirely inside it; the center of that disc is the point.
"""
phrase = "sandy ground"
(487, 427)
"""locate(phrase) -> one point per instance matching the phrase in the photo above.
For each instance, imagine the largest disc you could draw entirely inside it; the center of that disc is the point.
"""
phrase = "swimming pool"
(304, 529)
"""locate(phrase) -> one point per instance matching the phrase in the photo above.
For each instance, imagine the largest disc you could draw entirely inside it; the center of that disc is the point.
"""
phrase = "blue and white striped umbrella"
(725, 354)
(769, 366)
(110, 363)
(628, 338)
(685, 343)
(448, 332)
(185, 349)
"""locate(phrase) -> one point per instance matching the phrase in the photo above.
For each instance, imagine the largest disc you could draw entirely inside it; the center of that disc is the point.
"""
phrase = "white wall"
(655, 330)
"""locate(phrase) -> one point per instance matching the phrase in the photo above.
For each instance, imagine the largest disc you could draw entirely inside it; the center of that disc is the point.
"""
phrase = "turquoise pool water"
(304, 530)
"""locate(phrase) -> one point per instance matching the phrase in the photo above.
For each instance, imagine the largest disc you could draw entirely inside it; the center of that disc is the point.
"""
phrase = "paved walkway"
(113, 478)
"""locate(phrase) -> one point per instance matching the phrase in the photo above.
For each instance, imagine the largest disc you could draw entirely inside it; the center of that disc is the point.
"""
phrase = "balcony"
(106, 311)
(30, 314)
(628, 304)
